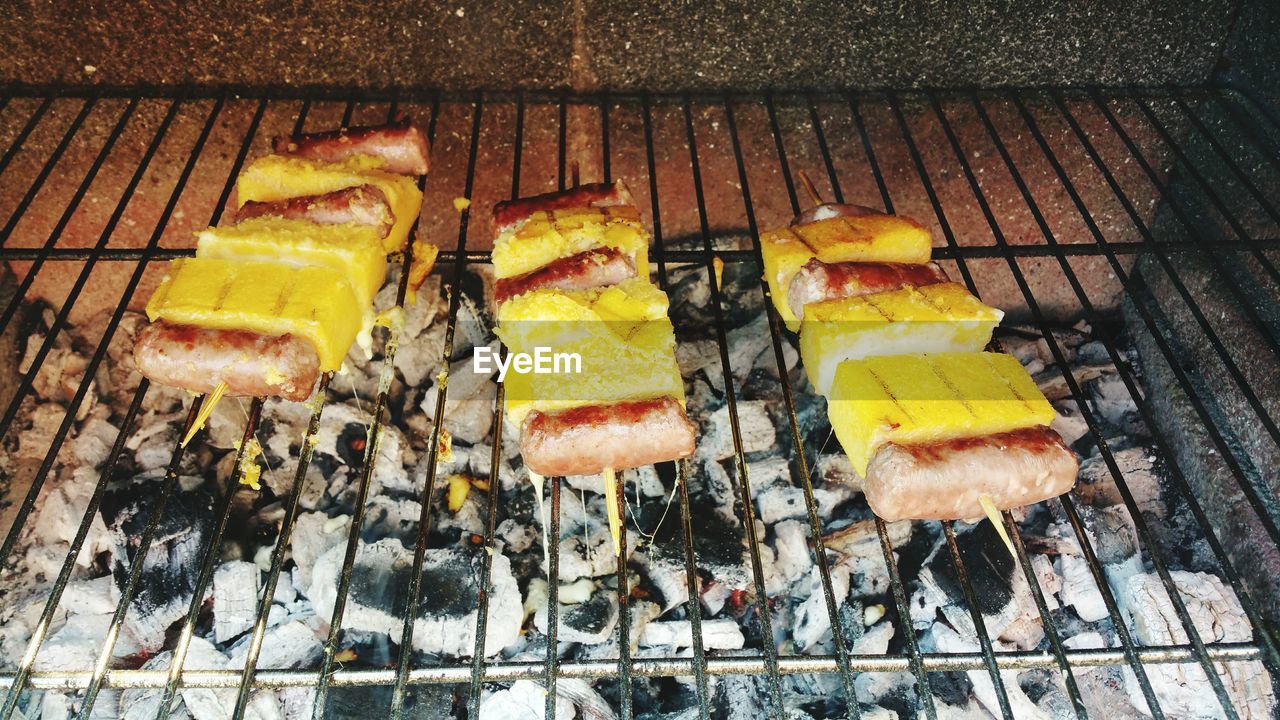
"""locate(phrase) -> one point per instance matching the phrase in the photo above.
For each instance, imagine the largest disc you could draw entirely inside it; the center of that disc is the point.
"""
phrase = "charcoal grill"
(1108, 142)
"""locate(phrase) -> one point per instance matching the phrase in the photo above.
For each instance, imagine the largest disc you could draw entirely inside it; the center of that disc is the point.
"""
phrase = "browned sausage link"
(197, 359)
(586, 270)
(511, 213)
(586, 440)
(942, 480)
(401, 144)
(362, 205)
(817, 281)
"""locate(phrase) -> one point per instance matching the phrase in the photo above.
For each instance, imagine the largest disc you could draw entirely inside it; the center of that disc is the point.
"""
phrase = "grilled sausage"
(197, 359)
(817, 281)
(401, 144)
(830, 210)
(586, 440)
(510, 214)
(942, 480)
(586, 270)
(362, 205)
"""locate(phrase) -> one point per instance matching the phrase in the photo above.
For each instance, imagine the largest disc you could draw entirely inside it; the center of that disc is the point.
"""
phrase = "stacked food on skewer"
(937, 428)
(279, 294)
(572, 276)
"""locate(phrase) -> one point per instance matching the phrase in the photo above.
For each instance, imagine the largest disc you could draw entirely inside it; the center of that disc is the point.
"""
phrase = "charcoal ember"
(590, 622)
(748, 344)
(700, 354)
(524, 700)
(422, 702)
(153, 443)
(1069, 423)
(289, 645)
(998, 584)
(235, 599)
(516, 536)
(36, 438)
(389, 517)
(586, 557)
(812, 622)
(719, 546)
(1218, 618)
(778, 499)
(944, 639)
(676, 634)
(480, 465)
(446, 617)
(791, 557)
(93, 440)
(756, 430)
(469, 407)
(1111, 401)
(73, 642)
(1138, 468)
(168, 573)
(57, 519)
(314, 533)
(60, 372)
(343, 437)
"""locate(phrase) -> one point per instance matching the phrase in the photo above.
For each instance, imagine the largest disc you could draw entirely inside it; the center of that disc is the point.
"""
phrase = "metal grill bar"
(662, 254)
(747, 498)
(775, 335)
(768, 661)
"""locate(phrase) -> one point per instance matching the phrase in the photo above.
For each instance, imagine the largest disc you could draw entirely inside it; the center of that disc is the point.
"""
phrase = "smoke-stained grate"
(1055, 205)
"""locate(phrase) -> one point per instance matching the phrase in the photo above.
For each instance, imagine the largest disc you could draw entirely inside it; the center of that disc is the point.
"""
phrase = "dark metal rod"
(82, 391)
(20, 140)
(623, 590)
(1263, 504)
(1103, 443)
(212, 557)
(682, 466)
(743, 481)
(1266, 144)
(277, 554)
(923, 692)
(166, 490)
(979, 623)
(495, 463)
(414, 590)
(1128, 376)
(797, 438)
(1099, 579)
(48, 166)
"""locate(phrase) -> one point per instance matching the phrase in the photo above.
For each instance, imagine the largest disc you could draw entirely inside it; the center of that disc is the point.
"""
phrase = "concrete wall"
(590, 44)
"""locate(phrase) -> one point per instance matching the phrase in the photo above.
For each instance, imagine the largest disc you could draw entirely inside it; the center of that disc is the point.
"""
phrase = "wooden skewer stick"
(993, 515)
(536, 480)
(206, 409)
(811, 190)
(611, 505)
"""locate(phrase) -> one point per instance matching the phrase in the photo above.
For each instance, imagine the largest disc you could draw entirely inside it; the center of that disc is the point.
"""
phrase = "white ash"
(678, 634)
(314, 533)
(468, 408)
(524, 700)
(235, 599)
(1218, 617)
(756, 429)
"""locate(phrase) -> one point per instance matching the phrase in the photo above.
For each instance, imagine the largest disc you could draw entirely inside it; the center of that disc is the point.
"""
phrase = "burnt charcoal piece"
(988, 564)
(169, 571)
(422, 702)
(446, 617)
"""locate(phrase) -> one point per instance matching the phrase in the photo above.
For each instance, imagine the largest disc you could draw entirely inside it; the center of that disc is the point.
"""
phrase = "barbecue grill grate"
(649, 135)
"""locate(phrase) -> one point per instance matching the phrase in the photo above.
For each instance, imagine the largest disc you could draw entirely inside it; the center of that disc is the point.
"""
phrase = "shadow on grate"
(753, 582)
